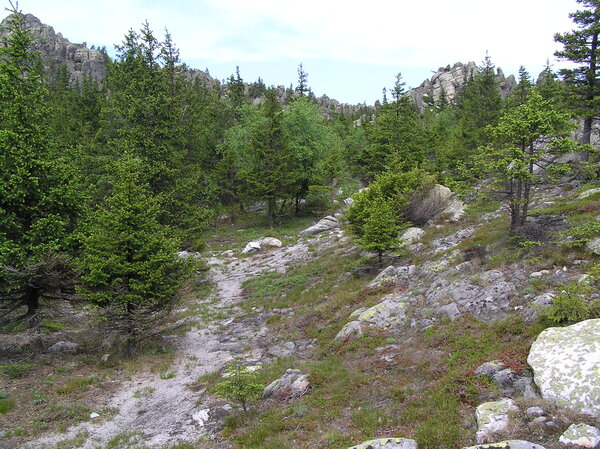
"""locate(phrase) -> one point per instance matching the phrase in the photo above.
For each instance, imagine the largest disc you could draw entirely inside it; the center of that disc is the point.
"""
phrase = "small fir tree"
(129, 266)
(380, 231)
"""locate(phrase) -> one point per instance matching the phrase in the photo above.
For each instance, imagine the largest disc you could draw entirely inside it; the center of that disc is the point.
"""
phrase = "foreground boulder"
(387, 443)
(326, 224)
(411, 236)
(581, 435)
(492, 417)
(509, 444)
(293, 384)
(566, 366)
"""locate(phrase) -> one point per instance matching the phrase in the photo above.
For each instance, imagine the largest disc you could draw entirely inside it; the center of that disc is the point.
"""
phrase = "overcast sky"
(350, 49)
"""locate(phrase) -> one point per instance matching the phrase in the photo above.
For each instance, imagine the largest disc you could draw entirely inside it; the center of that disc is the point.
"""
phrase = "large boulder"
(566, 366)
(509, 444)
(328, 223)
(293, 384)
(492, 417)
(411, 236)
(438, 202)
(389, 313)
(387, 443)
(581, 435)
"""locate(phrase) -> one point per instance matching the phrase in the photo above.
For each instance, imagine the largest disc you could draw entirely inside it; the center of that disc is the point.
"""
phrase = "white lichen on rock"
(566, 366)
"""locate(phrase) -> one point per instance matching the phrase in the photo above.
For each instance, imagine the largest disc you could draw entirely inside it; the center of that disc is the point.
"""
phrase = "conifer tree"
(129, 266)
(302, 87)
(581, 46)
(39, 203)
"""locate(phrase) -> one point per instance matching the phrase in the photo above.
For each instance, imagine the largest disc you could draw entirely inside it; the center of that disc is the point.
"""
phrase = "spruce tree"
(39, 203)
(581, 46)
(130, 269)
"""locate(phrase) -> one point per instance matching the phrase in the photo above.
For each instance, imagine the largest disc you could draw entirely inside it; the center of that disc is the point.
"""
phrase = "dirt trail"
(165, 410)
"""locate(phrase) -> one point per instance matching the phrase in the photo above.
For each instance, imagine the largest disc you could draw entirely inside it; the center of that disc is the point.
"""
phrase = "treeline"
(101, 185)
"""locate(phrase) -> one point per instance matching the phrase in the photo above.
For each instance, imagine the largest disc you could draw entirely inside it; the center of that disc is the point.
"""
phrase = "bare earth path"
(166, 410)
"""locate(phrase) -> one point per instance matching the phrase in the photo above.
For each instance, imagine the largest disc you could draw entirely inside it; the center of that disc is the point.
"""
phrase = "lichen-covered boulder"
(326, 224)
(581, 435)
(271, 241)
(492, 417)
(566, 366)
(509, 444)
(387, 443)
(252, 247)
(392, 274)
(388, 313)
(411, 236)
(293, 384)
(594, 246)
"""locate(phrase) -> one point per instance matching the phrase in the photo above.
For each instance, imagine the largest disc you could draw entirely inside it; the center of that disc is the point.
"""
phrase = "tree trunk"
(591, 92)
(32, 300)
(271, 211)
(297, 205)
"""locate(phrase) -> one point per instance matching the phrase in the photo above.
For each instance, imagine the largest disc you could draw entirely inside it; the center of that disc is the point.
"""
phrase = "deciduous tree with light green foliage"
(130, 269)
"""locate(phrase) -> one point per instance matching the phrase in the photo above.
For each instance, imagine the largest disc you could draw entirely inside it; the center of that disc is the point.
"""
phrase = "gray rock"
(293, 384)
(387, 443)
(566, 366)
(490, 368)
(436, 203)
(326, 224)
(271, 241)
(492, 417)
(56, 52)
(392, 274)
(509, 444)
(581, 435)
(64, 346)
(252, 247)
(349, 201)
(594, 246)
(535, 411)
(544, 299)
(411, 236)
(449, 310)
(588, 193)
(350, 331)
(540, 420)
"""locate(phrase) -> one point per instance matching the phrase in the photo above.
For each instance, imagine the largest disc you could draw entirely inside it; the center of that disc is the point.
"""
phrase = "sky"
(350, 49)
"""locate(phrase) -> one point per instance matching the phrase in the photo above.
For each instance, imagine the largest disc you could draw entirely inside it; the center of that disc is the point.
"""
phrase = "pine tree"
(581, 46)
(39, 203)
(517, 149)
(129, 266)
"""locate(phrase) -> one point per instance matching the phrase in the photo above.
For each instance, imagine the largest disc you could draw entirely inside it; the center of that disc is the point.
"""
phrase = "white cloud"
(395, 33)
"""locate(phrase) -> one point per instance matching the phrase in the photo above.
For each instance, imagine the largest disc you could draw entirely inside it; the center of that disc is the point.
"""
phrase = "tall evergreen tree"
(581, 46)
(39, 203)
(302, 87)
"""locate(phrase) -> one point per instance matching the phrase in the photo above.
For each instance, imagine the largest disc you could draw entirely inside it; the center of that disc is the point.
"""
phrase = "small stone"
(94, 415)
(540, 420)
(551, 425)
(64, 346)
(535, 411)
(510, 444)
(293, 384)
(581, 435)
(105, 358)
(387, 443)
(492, 417)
